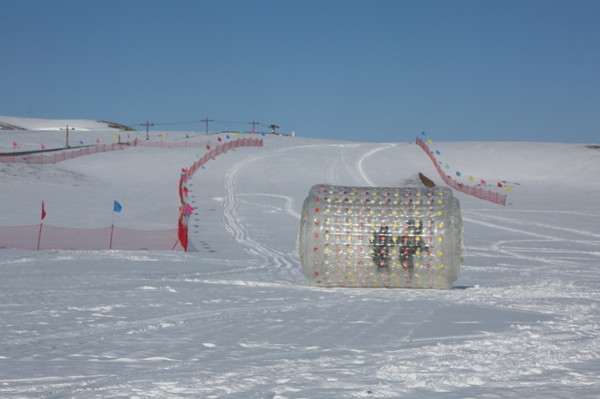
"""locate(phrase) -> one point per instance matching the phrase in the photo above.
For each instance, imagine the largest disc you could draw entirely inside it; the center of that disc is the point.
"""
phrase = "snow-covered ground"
(235, 317)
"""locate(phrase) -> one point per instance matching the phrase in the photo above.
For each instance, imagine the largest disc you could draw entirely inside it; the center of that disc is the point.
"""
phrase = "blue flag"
(117, 207)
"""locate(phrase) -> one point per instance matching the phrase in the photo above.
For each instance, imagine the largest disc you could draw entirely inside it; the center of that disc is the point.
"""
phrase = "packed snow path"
(236, 318)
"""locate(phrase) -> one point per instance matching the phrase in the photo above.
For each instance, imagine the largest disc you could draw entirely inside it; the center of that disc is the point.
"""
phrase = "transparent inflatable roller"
(399, 237)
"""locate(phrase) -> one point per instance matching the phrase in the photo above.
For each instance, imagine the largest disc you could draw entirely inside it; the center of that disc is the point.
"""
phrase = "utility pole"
(67, 129)
(206, 120)
(147, 124)
(253, 123)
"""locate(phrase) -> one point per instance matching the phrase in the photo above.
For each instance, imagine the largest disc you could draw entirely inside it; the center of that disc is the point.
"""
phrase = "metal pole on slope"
(206, 120)
(147, 124)
(67, 129)
(253, 123)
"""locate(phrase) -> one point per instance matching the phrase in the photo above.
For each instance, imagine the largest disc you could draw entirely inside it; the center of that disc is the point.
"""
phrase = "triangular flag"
(43, 211)
(422, 133)
(43, 147)
(438, 152)
(14, 143)
(208, 146)
(219, 140)
(471, 178)
(483, 182)
(227, 137)
(98, 141)
(429, 141)
(81, 142)
(458, 173)
(117, 207)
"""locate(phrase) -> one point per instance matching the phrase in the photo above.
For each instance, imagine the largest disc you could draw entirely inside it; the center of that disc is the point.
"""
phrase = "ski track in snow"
(235, 226)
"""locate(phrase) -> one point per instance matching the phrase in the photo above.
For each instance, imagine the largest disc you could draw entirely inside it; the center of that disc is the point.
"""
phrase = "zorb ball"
(400, 237)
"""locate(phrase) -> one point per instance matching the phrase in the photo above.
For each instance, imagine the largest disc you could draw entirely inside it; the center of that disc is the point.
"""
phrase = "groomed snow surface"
(236, 318)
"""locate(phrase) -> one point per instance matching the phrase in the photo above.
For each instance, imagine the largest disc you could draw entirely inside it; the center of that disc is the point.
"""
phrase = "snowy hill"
(236, 318)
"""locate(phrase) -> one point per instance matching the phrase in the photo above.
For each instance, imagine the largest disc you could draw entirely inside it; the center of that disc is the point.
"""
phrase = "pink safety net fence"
(59, 155)
(478, 192)
(42, 236)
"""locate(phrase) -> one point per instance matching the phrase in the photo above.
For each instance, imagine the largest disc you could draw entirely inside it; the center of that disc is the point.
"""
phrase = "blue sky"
(357, 70)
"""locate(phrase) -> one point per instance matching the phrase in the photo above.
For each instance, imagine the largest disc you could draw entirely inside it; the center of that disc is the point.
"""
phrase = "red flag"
(43, 211)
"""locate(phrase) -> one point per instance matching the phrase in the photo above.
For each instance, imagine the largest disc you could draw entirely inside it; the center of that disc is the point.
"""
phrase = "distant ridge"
(8, 126)
(21, 123)
(117, 126)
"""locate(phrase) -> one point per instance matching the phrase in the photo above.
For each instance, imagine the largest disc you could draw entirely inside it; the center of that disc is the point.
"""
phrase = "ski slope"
(235, 318)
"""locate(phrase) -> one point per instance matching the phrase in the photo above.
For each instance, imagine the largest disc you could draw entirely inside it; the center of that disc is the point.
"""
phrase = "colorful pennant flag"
(117, 207)
(43, 211)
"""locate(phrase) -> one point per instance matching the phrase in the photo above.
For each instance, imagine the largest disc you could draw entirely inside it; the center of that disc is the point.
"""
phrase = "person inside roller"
(411, 243)
(381, 242)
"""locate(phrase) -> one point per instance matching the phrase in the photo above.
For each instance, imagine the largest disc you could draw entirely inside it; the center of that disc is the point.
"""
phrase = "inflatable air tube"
(408, 237)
